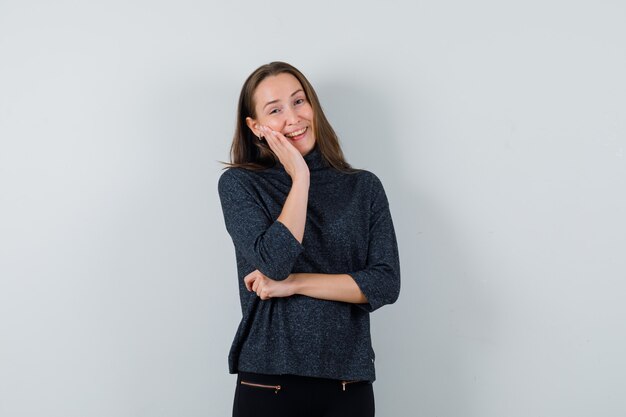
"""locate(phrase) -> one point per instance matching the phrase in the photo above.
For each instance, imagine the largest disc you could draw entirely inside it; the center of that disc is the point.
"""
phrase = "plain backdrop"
(498, 130)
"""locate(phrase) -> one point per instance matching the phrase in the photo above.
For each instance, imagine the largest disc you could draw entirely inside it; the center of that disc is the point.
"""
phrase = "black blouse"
(348, 230)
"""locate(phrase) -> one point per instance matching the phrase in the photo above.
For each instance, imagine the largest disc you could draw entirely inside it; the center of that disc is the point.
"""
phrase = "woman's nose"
(292, 117)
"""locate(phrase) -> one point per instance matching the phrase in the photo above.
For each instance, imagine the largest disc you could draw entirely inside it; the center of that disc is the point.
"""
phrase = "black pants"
(261, 395)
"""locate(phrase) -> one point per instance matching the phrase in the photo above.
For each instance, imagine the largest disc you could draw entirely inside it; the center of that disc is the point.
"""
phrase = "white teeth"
(299, 132)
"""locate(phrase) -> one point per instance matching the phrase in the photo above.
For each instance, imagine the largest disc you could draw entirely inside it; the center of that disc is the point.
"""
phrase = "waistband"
(295, 381)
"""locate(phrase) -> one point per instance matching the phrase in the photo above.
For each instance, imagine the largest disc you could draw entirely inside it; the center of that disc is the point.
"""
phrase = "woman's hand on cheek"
(267, 288)
(287, 154)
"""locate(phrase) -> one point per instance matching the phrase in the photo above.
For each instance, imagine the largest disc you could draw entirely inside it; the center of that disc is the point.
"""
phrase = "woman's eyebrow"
(270, 102)
(276, 101)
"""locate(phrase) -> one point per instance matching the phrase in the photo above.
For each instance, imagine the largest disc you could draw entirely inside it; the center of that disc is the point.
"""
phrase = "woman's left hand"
(267, 288)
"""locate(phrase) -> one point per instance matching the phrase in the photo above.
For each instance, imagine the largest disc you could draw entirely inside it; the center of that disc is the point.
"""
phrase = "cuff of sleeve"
(285, 251)
(363, 280)
(289, 238)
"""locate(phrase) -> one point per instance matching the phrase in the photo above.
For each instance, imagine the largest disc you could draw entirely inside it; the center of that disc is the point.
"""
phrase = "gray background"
(498, 129)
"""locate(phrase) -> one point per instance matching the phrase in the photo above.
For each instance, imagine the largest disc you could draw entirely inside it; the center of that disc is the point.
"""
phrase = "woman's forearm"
(334, 287)
(293, 215)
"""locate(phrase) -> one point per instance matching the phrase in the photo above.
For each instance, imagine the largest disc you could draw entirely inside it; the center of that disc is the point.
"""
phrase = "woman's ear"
(254, 126)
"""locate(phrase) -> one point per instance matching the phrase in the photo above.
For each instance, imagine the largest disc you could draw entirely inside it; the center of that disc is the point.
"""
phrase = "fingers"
(252, 280)
(256, 282)
(249, 280)
(277, 142)
(266, 288)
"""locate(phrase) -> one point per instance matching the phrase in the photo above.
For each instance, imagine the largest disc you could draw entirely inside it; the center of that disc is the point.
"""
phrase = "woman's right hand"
(287, 154)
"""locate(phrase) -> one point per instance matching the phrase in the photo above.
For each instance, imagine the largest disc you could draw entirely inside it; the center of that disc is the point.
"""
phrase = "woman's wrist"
(301, 178)
(301, 283)
(292, 283)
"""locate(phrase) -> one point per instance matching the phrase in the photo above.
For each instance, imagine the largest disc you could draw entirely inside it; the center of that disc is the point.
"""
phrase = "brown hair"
(248, 152)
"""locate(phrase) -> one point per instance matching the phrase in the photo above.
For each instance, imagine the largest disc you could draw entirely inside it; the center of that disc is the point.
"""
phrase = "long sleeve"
(265, 243)
(380, 279)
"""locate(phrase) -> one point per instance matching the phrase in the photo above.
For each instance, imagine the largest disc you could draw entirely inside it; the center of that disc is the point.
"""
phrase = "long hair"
(248, 152)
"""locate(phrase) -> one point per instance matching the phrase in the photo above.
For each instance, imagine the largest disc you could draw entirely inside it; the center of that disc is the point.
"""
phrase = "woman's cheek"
(277, 127)
(273, 123)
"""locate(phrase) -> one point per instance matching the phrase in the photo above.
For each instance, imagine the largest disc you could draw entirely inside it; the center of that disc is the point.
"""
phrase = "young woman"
(316, 254)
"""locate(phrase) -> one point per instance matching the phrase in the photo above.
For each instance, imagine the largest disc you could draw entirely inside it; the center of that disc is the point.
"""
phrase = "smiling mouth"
(296, 133)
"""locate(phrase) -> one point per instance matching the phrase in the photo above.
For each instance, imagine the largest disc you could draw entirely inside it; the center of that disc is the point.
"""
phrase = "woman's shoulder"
(363, 175)
(236, 178)
(369, 186)
(240, 174)
(232, 173)
(233, 178)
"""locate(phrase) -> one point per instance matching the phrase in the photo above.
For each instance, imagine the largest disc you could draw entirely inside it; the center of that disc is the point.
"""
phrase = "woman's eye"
(273, 111)
(299, 101)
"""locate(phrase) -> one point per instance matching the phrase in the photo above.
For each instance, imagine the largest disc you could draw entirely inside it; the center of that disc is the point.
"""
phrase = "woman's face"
(282, 105)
